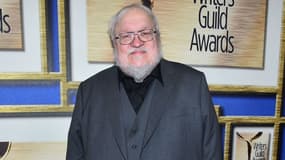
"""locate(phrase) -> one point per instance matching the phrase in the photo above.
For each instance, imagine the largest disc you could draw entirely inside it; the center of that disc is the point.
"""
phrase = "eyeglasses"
(143, 35)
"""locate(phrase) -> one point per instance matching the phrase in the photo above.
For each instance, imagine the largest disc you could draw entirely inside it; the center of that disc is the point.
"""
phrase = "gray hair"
(117, 17)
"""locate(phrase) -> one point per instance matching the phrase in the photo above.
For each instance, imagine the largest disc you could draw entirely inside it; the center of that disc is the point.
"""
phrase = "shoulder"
(179, 70)
(105, 76)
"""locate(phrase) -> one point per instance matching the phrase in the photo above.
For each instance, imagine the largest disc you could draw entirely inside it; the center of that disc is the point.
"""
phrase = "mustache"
(137, 50)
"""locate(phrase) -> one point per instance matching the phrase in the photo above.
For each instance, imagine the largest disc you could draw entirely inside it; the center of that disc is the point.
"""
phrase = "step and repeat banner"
(236, 43)
(229, 38)
(227, 33)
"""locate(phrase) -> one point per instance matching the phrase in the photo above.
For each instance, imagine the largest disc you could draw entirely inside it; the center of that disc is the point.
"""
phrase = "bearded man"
(144, 107)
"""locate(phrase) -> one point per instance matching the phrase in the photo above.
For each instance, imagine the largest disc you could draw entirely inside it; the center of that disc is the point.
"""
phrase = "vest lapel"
(157, 108)
(160, 102)
(114, 106)
(117, 128)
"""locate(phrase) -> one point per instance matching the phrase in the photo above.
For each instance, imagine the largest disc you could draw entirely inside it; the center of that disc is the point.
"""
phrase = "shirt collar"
(156, 74)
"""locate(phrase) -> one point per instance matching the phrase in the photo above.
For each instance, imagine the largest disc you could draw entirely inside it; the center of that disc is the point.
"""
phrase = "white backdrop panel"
(28, 60)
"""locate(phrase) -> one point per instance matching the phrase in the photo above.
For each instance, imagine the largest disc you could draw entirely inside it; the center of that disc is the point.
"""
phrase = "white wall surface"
(28, 60)
(31, 129)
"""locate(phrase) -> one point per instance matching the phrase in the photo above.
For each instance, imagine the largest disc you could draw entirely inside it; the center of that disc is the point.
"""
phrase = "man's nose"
(137, 42)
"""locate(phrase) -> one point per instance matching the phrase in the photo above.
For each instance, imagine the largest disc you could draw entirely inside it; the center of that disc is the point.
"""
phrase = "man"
(144, 107)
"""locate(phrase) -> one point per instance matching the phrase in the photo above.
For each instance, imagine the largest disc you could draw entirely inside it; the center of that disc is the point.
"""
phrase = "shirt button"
(134, 146)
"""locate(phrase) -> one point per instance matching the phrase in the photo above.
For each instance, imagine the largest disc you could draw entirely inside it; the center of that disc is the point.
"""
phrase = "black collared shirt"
(137, 91)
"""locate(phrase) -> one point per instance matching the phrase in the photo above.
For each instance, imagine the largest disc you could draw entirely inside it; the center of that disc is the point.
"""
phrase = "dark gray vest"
(135, 124)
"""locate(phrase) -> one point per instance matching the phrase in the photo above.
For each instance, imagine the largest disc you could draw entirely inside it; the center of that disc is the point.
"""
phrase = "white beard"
(138, 73)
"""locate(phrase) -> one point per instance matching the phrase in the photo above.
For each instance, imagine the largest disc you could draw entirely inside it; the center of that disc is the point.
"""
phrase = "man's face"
(137, 54)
